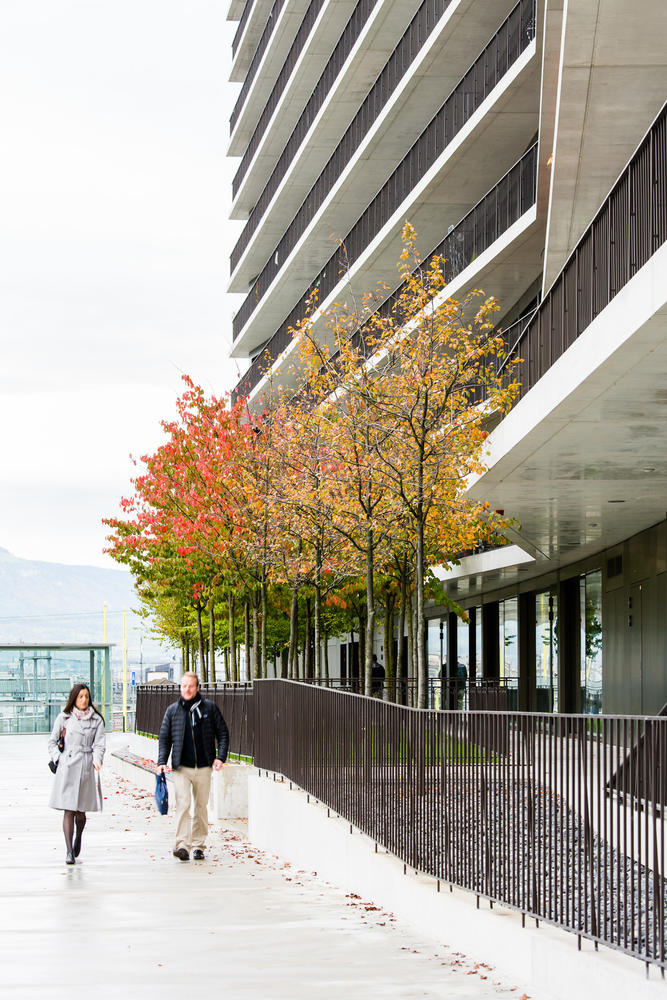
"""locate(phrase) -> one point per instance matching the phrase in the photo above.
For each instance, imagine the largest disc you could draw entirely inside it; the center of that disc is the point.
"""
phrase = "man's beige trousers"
(192, 783)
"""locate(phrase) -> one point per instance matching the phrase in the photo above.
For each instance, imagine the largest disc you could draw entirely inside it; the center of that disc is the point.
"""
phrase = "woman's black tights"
(69, 817)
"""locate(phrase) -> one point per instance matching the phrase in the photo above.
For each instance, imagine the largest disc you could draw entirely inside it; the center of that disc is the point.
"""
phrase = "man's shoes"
(70, 859)
(77, 846)
(181, 854)
(198, 854)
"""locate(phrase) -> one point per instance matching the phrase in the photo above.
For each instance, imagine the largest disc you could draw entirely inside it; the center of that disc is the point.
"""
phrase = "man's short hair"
(191, 673)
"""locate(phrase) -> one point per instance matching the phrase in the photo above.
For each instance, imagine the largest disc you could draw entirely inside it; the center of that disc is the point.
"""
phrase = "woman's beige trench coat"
(76, 785)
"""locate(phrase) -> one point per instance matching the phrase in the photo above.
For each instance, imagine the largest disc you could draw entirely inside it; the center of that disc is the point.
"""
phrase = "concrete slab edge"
(546, 961)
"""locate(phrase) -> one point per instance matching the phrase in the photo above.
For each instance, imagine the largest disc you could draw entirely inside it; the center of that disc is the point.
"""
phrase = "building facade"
(527, 143)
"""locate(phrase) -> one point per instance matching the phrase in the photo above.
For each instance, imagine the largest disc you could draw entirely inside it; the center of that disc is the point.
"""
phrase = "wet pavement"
(129, 919)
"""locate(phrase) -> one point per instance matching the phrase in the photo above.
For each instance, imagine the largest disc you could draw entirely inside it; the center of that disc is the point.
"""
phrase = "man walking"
(195, 733)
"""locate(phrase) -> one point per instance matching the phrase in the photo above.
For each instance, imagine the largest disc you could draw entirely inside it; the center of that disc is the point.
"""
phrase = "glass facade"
(35, 682)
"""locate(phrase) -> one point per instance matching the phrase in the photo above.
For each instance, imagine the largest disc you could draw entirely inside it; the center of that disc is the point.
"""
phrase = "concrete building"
(527, 142)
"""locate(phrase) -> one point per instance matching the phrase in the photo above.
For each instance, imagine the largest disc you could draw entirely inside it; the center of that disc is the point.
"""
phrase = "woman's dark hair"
(74, 694)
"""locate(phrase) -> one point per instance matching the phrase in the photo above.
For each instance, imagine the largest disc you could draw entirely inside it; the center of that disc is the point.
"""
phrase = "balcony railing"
(411, 43)
(559, 817)
(630, 226)
(343, 48)
(504, 204)
(511, 39)
(241, 26)
(256, 60)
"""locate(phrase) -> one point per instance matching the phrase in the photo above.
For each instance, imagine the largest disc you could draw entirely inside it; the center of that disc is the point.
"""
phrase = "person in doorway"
(76, 788)
(377, 677)
(194, 732)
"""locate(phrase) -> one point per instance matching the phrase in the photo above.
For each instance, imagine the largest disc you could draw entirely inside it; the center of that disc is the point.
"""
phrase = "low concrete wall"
(545, 960)
(229, 787)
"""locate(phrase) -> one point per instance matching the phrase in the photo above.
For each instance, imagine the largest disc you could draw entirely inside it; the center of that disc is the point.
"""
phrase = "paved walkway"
(129, 920)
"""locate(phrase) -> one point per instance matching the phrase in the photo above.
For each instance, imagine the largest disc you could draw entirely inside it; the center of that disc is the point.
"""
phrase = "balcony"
(496, 62)
(411, 43)
(248, 33)
(628, 229)
(503, 206)
(276, 39)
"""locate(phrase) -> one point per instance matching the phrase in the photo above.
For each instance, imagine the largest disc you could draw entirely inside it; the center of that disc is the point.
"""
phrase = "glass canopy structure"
(36, 679)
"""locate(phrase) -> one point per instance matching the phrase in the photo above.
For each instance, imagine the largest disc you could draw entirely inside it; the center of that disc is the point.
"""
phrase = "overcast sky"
(114, 247)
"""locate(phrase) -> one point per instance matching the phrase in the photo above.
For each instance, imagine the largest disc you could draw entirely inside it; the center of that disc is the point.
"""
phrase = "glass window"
(437, 650)
(546, 652)
(509, 648)
(591, 642)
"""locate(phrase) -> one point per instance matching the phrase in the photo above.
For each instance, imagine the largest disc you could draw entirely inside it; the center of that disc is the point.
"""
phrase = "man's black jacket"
(213, 729)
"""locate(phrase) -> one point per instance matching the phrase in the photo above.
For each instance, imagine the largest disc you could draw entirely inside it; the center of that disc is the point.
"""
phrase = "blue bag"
(161, 795)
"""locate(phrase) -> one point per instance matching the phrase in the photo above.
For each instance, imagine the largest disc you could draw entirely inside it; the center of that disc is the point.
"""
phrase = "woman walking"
(76, 788)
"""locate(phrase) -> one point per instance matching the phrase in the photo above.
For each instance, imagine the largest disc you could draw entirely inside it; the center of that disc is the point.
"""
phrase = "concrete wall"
(634, 625)
(229, 787)
(285, 822)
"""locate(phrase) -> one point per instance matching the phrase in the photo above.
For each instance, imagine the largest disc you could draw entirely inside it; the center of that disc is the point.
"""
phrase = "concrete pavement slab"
(129, 919)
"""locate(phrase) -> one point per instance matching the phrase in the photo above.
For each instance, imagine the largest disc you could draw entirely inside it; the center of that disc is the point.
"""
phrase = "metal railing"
(504, 204)
(506, 46)
(351, 32)
(628, 229)
(256, 60)
(235, 701)
(559, 817)
(442, 693)
(413, 40)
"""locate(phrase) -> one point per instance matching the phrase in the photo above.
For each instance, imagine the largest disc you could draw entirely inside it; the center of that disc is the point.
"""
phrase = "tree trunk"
(225, 660)
(411, 649)
(211, 638)
(389, 666)
(422, 665)
(293, 635)
(307, 648)
(370, 613)
(263, 638)
(318, 615)
(200, 637)
(246, 638)
(362, 652)
(284, 657)
(232, 638)
(325, 649)
(256, 666)
(184, 654)
(400, 659)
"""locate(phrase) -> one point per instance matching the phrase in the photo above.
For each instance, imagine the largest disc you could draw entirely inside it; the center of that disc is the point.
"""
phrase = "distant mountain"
(52, 602)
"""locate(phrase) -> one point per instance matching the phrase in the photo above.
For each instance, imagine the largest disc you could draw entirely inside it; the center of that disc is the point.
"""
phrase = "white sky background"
(114, 250)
